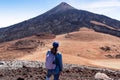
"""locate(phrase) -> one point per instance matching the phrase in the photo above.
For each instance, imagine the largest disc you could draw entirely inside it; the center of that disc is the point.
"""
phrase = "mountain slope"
(84, 47)
(61, 19)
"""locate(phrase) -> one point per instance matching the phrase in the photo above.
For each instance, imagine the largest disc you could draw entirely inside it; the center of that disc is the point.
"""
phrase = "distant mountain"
(61, 19)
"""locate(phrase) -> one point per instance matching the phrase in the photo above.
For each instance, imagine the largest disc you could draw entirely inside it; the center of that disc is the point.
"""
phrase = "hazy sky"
(15, 11)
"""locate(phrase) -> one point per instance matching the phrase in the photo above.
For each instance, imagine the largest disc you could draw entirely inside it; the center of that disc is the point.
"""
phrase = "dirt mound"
(21, 47)
(88, 35)
(29, 43)
(26, 44)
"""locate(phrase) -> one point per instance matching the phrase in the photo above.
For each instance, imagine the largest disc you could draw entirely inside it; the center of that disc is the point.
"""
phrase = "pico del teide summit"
(61, 19)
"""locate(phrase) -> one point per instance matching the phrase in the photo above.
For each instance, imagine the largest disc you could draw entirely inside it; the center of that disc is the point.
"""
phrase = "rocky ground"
(34, 70)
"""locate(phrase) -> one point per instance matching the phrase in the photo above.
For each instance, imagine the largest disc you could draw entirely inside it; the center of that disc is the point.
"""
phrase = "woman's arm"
(60, 62)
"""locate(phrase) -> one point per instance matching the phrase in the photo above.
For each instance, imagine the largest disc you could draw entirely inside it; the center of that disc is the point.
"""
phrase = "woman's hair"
(54, 50)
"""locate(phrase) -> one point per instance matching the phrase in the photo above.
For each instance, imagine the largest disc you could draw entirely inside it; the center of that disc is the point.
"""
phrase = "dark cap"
(55, 44)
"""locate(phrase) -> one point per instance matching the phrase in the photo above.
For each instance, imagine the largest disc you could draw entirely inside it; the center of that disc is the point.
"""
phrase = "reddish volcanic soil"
(84, 47)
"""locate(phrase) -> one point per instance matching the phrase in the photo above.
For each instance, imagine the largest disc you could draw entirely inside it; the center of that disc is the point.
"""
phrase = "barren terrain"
(35, 70)
(84, 47)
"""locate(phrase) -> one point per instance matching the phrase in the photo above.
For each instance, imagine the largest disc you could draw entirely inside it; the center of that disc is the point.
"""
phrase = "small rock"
(117, 56)
(105, 48)
(102, 76)
(1, 63)
(20, 78)
(109, 56)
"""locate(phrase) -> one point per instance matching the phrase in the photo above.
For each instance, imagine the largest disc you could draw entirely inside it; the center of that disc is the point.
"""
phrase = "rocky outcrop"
(105, 48)
(106, 30)
(35, 70)
(61, 19)
(26, 44)
(45, 36)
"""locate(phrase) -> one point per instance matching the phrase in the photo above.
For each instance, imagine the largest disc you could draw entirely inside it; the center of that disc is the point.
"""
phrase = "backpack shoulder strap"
(48, 52)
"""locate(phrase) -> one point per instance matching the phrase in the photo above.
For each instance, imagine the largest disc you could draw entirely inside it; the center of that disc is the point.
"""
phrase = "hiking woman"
(53, 62)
